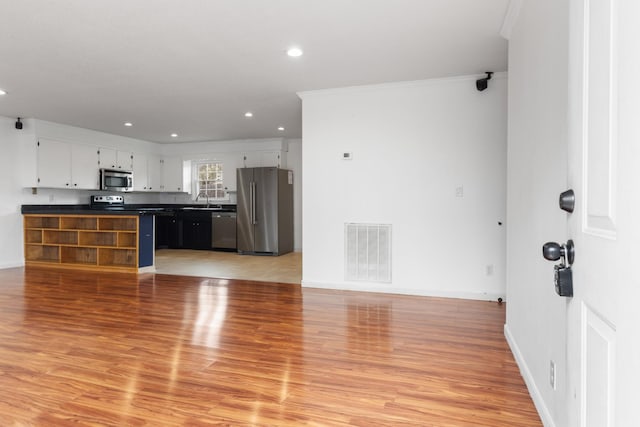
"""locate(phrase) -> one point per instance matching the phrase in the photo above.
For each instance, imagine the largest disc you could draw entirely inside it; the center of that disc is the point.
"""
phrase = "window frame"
(195, 181)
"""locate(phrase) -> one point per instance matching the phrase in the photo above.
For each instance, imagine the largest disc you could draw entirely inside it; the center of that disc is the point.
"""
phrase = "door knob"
(553, 251)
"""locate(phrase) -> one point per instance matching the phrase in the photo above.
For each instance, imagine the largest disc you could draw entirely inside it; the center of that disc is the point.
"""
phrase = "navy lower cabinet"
(196, 230)
(145, 241)
(168, 231)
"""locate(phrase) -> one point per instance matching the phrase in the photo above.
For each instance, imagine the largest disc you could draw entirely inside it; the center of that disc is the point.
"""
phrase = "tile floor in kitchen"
(285, 268)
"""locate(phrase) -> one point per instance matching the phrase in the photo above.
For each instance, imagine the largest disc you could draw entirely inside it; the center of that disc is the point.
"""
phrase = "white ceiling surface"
(194, 67)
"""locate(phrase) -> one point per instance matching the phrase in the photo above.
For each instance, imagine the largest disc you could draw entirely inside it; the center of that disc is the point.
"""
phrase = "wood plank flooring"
(117, 349)
(285, 268)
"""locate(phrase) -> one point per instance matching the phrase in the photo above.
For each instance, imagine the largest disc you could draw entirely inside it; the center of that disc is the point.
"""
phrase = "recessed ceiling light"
(128, 124)
(248, 114)
(294, 52)
(3, 92)
(280, 128)
(174, 135)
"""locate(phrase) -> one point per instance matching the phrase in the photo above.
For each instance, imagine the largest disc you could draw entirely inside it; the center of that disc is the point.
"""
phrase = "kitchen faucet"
(203, 193)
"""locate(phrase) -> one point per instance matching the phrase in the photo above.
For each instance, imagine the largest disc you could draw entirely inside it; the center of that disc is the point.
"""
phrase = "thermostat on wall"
(347, 156)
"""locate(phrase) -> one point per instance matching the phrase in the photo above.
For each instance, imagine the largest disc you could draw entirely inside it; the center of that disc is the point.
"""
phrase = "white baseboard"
(387, 289)
(542, 409)
(12, 265)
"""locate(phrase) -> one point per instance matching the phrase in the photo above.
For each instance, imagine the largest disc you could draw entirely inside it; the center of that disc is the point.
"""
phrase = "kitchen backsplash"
(52, 196)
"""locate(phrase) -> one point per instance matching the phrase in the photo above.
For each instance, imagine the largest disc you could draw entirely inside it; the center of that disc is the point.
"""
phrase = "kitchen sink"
(198, 208)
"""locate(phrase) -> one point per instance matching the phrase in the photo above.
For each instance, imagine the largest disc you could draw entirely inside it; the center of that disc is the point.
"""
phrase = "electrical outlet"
(460, 191)
(489, 270)
(552, 374)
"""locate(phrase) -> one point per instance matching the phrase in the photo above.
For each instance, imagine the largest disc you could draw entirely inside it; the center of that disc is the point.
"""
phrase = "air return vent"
(367, 252)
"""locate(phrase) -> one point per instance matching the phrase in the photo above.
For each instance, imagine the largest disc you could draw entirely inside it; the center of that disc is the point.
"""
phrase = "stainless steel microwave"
(116, 180)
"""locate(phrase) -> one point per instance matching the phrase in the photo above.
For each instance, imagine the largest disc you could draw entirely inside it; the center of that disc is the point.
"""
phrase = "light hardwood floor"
(286, 268)
(107, 349)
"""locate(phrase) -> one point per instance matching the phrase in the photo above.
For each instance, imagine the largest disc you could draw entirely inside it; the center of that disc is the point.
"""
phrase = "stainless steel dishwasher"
(223, 231)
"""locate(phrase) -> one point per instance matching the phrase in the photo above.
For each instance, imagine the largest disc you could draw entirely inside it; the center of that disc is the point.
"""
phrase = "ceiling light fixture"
(174, 135)
(280, 128)
(294, 52)
(128, 124)
(248, 114)
(3, 92)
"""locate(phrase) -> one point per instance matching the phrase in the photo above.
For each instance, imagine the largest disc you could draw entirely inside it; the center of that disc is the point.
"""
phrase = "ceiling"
(194, 67)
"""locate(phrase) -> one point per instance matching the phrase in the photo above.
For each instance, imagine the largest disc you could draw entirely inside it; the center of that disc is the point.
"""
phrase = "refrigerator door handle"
(251, 202)
(254, 219)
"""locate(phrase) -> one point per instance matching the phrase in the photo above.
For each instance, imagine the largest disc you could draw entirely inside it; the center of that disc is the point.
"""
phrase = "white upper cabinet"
(254, 159)
(140, 180)
(54, 164)
(172, 174)
(154, 173)
(115, 159)
(65, 165)
(85, 168)
(147, 172)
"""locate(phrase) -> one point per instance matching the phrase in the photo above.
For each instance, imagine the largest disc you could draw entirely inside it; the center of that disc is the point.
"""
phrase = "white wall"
(537, 163)
(11, 253)
(413, 145)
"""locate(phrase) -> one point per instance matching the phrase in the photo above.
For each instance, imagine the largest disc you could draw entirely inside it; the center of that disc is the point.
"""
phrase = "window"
(208, 181)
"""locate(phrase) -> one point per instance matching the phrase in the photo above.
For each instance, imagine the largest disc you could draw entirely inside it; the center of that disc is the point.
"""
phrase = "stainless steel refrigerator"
(265, 211)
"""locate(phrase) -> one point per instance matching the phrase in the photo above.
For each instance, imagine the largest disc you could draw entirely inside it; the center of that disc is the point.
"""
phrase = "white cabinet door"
(54, 164)
(108, 158)
(140, 181)
(272, 158)
(84, 167)
(172, 174)
(114, 159)
(124, 160)
(154, 173)
(255, 159)
(252, 159)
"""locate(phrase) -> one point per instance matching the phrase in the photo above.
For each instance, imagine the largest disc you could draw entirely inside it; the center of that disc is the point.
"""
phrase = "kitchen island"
(110, 242)
(119, 238)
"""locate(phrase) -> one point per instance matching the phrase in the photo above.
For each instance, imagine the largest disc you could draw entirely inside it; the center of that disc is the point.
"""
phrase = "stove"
(107, 202)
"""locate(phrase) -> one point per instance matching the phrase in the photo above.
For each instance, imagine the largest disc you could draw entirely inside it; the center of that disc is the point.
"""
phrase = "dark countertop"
(144, 209)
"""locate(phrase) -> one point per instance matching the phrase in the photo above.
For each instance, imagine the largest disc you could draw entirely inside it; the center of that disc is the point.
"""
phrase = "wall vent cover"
(367, 249)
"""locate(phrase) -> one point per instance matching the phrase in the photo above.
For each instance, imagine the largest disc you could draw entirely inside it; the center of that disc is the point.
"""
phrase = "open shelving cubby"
(106, 242)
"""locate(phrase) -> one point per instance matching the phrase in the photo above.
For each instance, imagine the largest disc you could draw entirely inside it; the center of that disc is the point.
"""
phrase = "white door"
(603, 327)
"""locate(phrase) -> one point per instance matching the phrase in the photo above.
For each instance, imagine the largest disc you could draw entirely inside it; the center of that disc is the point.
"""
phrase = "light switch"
(347, 156)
